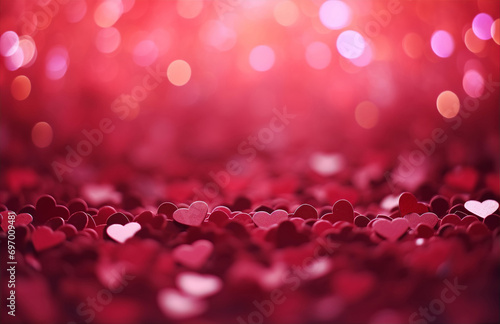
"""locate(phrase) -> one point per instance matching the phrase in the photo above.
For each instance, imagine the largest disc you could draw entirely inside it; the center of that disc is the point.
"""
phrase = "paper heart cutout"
(306, 211)
(79, 220)
(457, 221)
(193, 256)
(482, 209)
(424, 231)
(341, 211)
(192, 216)
(103, 214)
(198, 285)
(218, 217)
(121, 233)
(320, 226)
(361, 221)
(20, 219)
(69, 230)
(477, 229)
(168, 209)
(55, 223)
(409, 204)
(391, 231)
(178, 306)
(439, 205)
(265, 220)
(44, 238)
(429, 219)
(46, 208)
(492, 222)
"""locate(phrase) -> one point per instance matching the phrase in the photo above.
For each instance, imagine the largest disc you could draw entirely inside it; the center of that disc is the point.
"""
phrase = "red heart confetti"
(193, 256)
(391, 230)
(44, 238)
(192, 216)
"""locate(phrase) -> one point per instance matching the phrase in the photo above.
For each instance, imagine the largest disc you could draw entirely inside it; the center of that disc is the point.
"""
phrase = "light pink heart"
(198, 285)
(178, 306)
(481, 209)
(121, 233)
(266, 220)
(193, 256)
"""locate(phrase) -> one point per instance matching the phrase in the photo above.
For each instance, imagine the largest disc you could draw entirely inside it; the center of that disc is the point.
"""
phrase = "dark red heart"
(306, 211)
(409, 204)
(341, 211)
(391, 230)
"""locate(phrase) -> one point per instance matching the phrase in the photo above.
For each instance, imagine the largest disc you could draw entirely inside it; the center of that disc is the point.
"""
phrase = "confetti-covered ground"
(249, 161)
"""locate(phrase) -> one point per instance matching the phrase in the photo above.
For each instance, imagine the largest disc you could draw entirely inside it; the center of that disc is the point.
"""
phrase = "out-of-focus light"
(15, 61)
(27, 45)
(189, 8)
(481, 25)
(327, 164)
(42, 134)
(350, 44)
(214, 33)
(365, 58)
(442, 43)
(108, 40)
(318, 55)
(9, 42)
(261, 58)
(366, 114)
(75, 10)
(145, 53)
(335, 14)
(108, 13)
(473, 43)
(286, 13)
(473, 83)
(413, 45)
(20, 87)
(495, 31)
(448, 104)
(57, 63)
(179, 72)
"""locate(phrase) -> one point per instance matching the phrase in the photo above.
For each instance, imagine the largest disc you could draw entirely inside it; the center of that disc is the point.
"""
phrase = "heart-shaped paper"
(121, 233)
(306, 211)
(409, 204)
(391, 231)
(79, 220)
(218, 217)
(192, 216)
(414, 219)
(168, 209)
(46, 208)
(341, 211)
(198, 285)
(481, 209)
(178, 306)
(20, 219)
(193, 256)
(265, 220)
(44, 238)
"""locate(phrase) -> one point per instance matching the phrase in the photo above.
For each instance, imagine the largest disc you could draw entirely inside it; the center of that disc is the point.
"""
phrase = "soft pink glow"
(262, 58)
(351, 44)
(318, 55)
(473, 83)
(442, 43)
(335, 14)
(481, 25)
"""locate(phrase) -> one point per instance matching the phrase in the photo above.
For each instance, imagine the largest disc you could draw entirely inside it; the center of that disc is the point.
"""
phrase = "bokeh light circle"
(335, 14)
(473, 83)
(366, 114)
(189, 9)
(42, 134)
(351, 44)
(9, 42)
(448, 104)
(442, 43)
(495, 31)
(473, 43)
(108, 40)
(216, 34)
(286, 13)
(179, 72)
(20, 87)
(413, 45)
(261, 58)
(145, 53)
(28, 47)
(57, 63)
(481, 25)
(318, 55)
(108, 12)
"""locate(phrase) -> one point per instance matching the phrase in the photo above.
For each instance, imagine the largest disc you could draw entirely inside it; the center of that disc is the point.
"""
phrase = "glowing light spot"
(216, 34)
(366, 114)
(474, 44)
(419, 241)
(108, 40)
(179, 73)
(27, 45)
(262, 58)
(145, 53)
(442, 43)
(15, 61)
(189, 8)
(335, 14)
(413, 45)
(448, 104)
(495, 31)
(75, 10)
(365, 58)
(473, 83)
(9, 42)
(57, 63)
(481, 25)
(20, 87)
(108, 13)
(286, 13)
(318, 55)
(42, 134)
(350, 44)
(327, 164)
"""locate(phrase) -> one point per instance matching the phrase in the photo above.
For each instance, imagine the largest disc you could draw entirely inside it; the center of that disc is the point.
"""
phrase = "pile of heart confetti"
(408, 262)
